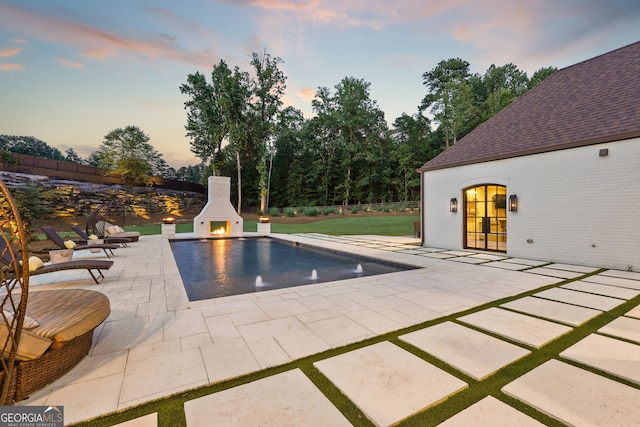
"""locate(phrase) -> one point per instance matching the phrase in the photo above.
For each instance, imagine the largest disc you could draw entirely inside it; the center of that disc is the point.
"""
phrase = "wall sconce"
(513, 203)
(453, 205)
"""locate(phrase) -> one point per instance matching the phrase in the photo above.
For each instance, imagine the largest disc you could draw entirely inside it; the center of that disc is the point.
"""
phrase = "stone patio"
(156, 342)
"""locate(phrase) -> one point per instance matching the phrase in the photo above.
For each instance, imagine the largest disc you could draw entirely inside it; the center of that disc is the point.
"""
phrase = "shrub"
(274, 211)
(290, 212)
(312, 211)
(330, 210)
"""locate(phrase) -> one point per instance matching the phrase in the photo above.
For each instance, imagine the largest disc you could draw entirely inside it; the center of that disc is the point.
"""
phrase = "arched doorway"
(485, 222)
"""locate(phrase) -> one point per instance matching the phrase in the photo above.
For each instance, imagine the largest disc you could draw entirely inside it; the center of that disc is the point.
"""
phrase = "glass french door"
(485, 209)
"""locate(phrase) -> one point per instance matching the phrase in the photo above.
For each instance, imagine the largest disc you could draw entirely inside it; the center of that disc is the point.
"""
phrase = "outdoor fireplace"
(218, 217)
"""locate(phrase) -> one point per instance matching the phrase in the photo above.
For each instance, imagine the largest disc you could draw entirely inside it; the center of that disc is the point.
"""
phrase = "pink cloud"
(10, 51)
(98, 53)
(278, 4)
(11, 67)
(95, 42)
(306, 93)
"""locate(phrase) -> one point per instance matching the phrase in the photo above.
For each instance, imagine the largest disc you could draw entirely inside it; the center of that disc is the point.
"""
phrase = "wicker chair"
(14, 291)
(43, 334)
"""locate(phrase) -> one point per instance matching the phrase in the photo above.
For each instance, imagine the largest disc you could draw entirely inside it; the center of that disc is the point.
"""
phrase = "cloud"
(96, 42)
(98, 53)
(306, 93)
(10, 51)
(11, 67)
(276, 4)
(68, 63)
(19, 41)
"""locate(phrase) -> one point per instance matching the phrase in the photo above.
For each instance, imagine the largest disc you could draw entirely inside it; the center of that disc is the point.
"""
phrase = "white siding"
(576, 206)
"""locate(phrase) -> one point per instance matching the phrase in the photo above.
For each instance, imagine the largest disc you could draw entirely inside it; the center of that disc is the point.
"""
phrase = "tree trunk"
(239, 182)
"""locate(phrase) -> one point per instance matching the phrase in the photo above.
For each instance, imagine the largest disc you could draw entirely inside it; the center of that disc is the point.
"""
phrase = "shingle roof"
(592, 102)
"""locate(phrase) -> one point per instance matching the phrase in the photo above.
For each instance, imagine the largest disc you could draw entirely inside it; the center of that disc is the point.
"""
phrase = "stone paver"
(570, 267)
(474, 353)
(584, 299)
(576, 396)
(529, 262)
(633, 275)
(623, 327)
(599, 289)
(506, 265)
(614, 356)
(286, 399)
(561, 274)
(388, 383)
(150, 420)
(635, 312)
(490, 412)
(614, 281)
(517, 327)
(553, 310)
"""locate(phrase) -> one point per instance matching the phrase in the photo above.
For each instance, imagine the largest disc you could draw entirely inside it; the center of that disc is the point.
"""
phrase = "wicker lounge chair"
(108, 240)
(90, 265)
(43, 334)
(59, 241)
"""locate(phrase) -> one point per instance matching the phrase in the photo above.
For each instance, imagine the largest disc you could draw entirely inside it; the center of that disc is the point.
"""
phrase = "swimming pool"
(215, 268)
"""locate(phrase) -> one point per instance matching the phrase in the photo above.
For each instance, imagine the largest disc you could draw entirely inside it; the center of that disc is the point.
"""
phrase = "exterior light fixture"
(513, 203)
(453, 205)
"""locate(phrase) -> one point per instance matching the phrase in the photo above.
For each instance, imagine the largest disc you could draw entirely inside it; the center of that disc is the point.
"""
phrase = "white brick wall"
(576, 206)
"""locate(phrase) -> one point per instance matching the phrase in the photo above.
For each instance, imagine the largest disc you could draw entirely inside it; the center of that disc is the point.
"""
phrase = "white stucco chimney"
(218, 217)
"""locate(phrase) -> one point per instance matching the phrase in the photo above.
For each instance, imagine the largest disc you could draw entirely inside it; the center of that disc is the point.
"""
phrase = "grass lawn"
(381, 225)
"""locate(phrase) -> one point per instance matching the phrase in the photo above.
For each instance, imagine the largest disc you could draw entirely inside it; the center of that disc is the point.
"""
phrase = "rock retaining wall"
(62, 198)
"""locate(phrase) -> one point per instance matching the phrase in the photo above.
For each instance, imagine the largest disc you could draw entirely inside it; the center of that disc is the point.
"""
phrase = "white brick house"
(569, 151)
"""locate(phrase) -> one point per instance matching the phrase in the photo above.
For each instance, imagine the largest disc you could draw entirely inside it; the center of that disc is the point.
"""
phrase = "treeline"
(346, 153)
(125, 152)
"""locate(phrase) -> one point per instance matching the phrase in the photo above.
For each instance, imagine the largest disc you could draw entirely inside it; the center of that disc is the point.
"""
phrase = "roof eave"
(574, 144)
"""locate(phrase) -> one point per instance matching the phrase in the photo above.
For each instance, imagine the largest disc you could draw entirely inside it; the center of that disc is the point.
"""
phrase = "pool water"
(221, 267)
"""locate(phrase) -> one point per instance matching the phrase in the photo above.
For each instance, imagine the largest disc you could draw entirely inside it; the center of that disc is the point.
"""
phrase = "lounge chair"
(90, 265)
(109, 230)
(108, 240)
(59, 241)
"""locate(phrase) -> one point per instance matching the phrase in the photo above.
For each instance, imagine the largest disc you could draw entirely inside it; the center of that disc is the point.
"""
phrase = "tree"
(72, 156)
(442, 84)
(540, 75)
(29, 145)
(501, 86)
(239, 109)
(267, 91)
(205, 123)
(349, 127)
(411, 150)
(127, 153)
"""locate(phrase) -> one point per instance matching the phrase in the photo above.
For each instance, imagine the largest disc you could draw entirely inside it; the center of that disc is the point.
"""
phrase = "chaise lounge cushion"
(61, 316)
(65, 314)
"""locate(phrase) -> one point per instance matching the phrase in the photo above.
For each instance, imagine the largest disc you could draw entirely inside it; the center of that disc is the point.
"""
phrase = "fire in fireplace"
(219, 228)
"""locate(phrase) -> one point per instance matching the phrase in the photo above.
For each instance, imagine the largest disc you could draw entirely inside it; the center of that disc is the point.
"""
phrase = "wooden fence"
(24, 163)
